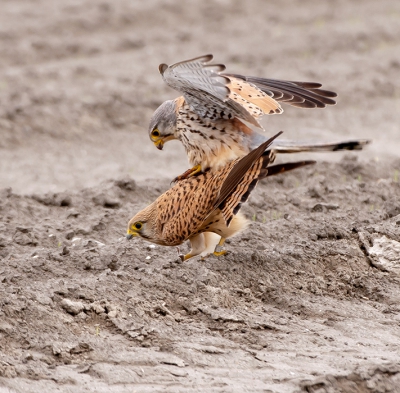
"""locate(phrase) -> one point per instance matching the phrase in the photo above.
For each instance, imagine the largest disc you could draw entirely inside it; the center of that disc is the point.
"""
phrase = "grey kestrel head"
(163, 123)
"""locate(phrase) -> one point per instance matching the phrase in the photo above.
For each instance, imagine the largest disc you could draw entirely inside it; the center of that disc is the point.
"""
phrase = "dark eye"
(155, 132)
(138, 225)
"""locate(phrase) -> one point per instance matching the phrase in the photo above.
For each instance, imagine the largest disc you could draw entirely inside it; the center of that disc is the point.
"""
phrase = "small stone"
(83, 368)
(178, 372)
(173, 360)
(126, 183)
(94, 243)
(385, 254)
(322, 207)
(97, 308)
(56, 350)
(69, 235)
(24, 236)
(72, 213)
(27, 358)
(82, 316)
(106, 200)
(64, 200)
(81, 348)
(23, 229)
(112, 264)
(72, 307)
(6, 328)
(44, 300)
(3, 241)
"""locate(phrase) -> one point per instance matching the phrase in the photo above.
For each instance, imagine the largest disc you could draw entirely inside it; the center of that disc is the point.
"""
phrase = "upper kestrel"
(218, 115)
(204, 209)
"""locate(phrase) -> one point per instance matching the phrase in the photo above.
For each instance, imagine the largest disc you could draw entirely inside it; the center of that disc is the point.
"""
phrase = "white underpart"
(208, 147)
(204, 244)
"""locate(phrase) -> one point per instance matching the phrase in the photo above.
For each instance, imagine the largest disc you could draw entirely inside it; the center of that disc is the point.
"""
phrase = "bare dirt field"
(306, 300)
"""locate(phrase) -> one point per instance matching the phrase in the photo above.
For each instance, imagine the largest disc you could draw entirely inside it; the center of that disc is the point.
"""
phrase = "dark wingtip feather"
(280, 168)
(162, 67)
(221, 67)
(307, 85)
(351, 145)
(208, 57)
(326, 93)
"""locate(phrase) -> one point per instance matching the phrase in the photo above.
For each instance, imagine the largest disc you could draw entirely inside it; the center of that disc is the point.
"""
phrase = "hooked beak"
(159, 144)
(130, 234)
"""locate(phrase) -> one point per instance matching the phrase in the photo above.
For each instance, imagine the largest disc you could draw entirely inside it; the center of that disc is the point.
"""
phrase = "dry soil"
(306, 300)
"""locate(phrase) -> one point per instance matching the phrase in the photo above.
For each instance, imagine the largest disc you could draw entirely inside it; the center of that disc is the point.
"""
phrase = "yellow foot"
(218, 251)
(189, 173)
(185, 257)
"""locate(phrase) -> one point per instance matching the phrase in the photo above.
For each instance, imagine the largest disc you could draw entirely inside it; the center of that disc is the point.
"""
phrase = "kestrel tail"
(217, 117)
(205, 208)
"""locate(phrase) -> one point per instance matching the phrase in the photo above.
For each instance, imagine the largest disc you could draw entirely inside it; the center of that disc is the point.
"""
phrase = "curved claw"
(189, 173)
(219, 253)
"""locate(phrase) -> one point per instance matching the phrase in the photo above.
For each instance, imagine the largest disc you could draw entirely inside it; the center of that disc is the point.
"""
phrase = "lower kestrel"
(205, 208)
(217, 117)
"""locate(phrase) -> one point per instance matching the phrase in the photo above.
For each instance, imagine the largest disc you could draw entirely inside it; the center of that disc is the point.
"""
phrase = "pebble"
(72, 307)
(3, 241)
(178, 372)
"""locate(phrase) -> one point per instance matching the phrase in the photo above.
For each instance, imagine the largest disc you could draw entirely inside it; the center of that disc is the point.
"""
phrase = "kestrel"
(217, 117)
(205, 208)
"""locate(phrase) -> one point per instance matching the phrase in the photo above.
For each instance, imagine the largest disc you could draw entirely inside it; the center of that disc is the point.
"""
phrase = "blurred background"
(79, 79)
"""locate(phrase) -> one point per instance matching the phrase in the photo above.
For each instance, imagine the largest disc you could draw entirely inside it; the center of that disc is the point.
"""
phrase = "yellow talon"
(189, 173)
(185, 257)
(218, 248)
(195, 170)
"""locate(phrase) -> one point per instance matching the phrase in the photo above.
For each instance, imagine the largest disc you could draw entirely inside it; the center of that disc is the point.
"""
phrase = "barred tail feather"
(280, 168)
(282, 146)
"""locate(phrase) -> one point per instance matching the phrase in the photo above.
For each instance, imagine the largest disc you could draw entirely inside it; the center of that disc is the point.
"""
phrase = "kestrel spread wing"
(213, 95)
(218, 114)
(205, 203)
(209, 92)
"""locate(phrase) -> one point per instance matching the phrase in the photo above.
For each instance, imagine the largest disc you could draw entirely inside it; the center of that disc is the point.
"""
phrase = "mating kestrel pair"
(217, 121)
(205, 208)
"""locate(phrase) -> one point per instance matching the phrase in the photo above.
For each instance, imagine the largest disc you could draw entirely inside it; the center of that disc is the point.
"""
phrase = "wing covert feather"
(205, 89)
